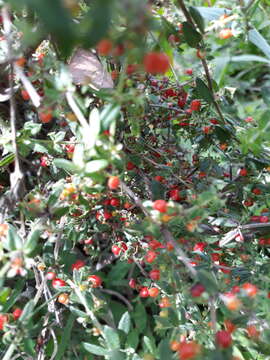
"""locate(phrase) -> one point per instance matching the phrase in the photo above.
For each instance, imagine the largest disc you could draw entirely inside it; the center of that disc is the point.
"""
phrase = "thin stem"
(89, 312)
(16, 178)
(9, 352)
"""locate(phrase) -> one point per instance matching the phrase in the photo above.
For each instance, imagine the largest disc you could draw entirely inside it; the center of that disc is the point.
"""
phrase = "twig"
(117, 294)
(36, 99)
(58, 238)
(55, 343)
(213, 314)
(17, 177)
(89, 312)
(74, 107)
(181, 255)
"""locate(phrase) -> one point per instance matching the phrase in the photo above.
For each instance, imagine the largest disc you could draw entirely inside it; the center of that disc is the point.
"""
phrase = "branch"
(17, 177)
(204, 63)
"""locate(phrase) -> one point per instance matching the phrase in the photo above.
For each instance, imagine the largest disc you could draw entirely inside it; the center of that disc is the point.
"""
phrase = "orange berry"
(174, 345)
(21, 62)
(45, 117)
(63, 298)
(113, 182)
(225, 33)
(153, 292)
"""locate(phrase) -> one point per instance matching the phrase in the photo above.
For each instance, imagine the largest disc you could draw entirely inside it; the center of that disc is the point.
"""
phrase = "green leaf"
(31, 241)
(108, 115)
(65, 338)
(212, 13)
(149, 344)
(50, 13)
(13, 241)
(203, 91)
(164, 350)
(16, 293)
(132, 339)
(95, 165)
(249, 58)
(111, 337)
(32, 127)
(8, 159)
(4, 294)
(96, 22)
(158, 190)
(116, 355)
(207, 279)
(197, 17)
(124, 323)
(258, 40)
(66, 165)
(140, 317)
(27, 311)
(94, 349)
(191, 35)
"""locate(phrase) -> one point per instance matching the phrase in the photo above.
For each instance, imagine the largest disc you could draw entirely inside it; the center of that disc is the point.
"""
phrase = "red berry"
(115, 202)
(199, 246)
(107, 215)
(156, 63)
(113, 182)
(243, 172)
(58, 283)
(154, 274)
(188, 350)
(223, 338)
(95, 280)
(130, 166)
(51, 275)
(132, 283)
(189, 71)
(70, 148)
(25, 95)
(104, 47)
(45, 117)
(175, 195)
(3, 320)
(263, 219)
(160, 205)
(150, 256)
(116, 250)
(195, 105)
(17, 313)
(44, 161)
(144, 292)
(214, 121)
(88, 241)
(197, 290)
(78, 264)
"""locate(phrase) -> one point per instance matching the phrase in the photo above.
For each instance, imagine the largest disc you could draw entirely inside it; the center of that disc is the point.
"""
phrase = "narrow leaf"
(94, 349)
(258, 40)
(124, 323)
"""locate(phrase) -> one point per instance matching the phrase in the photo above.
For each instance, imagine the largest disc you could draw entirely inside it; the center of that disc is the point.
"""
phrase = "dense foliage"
(134, 172)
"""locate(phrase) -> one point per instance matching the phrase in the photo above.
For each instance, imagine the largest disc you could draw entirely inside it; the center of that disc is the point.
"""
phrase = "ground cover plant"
(134, 179)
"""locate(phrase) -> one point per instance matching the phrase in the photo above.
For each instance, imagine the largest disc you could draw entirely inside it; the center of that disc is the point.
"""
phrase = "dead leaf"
(85, 68)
